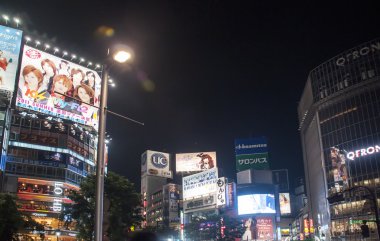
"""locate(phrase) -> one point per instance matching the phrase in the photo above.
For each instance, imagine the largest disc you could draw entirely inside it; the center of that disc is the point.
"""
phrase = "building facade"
(48, 132)
(339, 116)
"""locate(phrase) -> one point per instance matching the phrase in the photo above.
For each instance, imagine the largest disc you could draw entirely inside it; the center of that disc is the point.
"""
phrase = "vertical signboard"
(251, 153)
(338, 161)
(284, 199)
(10, 43)
(221, 193)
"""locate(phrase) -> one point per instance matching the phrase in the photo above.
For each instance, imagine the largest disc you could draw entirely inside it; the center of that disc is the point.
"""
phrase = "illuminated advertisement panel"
(203, 183)
(256, 203)
(57, 87)
(284, 203)
(264, 228)
(195, 162)
(157, 164)
(251, 153)
(10, 43)
(338, 161)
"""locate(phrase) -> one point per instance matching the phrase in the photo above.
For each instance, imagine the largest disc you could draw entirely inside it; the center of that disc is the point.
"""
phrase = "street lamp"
(58, 233)
(121, 55)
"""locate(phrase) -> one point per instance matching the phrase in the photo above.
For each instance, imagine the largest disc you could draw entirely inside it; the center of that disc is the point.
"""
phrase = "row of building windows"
(43, 172)
(331, 76)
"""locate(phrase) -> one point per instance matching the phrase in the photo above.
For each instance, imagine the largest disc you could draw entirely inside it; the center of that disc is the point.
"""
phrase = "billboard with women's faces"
(57, 87)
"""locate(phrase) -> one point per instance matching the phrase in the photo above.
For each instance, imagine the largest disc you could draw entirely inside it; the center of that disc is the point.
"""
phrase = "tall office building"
(339, 116)
(48, 123)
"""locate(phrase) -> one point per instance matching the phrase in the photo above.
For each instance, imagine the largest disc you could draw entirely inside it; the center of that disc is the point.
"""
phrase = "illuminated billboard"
(155, 163)
(195, 162)
(10, 43)
(338, 161)
(284, 203)
(256, 203)
(251, 153)
(200, 184)
(264, 228)
(57, 87)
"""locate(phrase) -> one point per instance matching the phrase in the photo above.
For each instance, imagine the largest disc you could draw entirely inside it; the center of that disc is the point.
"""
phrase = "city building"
(161, 199)
(339, 124)
(48, 131)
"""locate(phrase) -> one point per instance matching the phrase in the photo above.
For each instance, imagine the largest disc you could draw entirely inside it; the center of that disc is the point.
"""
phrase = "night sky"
(205, 72)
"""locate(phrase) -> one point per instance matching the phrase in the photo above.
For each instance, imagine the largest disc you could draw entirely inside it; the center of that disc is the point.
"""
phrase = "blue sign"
(159, 160)
(251, 145)
(10, 43)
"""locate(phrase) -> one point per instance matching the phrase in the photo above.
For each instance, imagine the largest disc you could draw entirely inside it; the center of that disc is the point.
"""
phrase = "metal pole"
(100, 157)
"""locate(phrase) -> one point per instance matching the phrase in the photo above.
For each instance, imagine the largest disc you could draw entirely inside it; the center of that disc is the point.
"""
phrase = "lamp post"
(120, 56)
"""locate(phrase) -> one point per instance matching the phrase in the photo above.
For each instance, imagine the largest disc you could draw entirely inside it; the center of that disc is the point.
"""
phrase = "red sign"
(264, 228)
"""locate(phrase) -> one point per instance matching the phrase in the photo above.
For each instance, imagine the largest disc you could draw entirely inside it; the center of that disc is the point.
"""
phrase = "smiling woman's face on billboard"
(64, 91)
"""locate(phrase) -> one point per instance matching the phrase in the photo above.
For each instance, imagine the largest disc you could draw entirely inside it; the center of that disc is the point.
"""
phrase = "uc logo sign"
(159, 160)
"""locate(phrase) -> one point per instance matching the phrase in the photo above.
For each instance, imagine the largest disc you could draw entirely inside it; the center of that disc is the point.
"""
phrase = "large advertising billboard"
(256, 203)
(284, 199)
(155, 163)
(251, 153)
(57, 87)
(10, 43)
(195, 162)
(203, 183)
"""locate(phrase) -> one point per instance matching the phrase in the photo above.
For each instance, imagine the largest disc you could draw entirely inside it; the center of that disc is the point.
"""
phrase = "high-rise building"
(48, 127)
(339, 116)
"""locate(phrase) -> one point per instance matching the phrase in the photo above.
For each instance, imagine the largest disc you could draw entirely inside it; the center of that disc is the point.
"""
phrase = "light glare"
(122, 56)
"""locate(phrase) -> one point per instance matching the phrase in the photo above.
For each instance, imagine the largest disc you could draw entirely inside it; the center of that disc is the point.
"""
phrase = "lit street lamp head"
(121, 53)
(121, 56)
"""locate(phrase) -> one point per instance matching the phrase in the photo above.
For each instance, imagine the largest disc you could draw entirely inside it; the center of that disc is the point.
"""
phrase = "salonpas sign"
(251, 153)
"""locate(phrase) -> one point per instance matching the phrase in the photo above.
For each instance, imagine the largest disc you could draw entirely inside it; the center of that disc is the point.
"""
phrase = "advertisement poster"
(264, 228)
(284, 203)
(195, 162)
(203, 183)
(57, 87)
(157, 164)
(10, 43)
(256, 203)
(251, 153)
(338, 162)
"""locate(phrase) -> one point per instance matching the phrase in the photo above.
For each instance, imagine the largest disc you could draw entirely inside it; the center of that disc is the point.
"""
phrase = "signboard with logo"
(195, 162)
(251, 153)
(203, 183)
(284, 199)
(221, 193)
(57, 87)
(156, 164)
(10, 43)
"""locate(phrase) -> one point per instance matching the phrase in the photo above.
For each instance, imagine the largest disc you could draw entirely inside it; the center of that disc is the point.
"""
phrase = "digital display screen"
(256, 203)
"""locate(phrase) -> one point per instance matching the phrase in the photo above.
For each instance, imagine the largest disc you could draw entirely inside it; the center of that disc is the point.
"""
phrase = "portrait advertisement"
(10, 43)
(57, 87)
(338, 162)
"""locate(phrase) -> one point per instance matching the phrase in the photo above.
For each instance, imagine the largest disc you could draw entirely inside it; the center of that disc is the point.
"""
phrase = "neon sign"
(57, 202)
(363, 152)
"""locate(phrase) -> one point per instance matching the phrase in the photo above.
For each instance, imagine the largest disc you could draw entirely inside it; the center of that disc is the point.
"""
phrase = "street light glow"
(6, 18)
(121, 56)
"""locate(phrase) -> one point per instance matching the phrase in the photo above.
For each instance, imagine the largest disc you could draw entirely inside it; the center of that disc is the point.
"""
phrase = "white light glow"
(122, 56)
